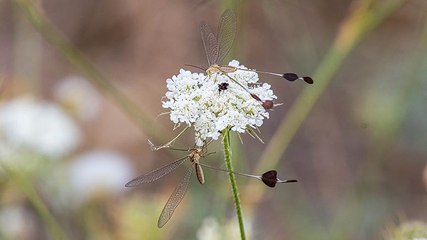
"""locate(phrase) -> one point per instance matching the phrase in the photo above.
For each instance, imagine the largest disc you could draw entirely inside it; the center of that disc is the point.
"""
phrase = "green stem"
(236, 198)
(26, 186)
(363, 18)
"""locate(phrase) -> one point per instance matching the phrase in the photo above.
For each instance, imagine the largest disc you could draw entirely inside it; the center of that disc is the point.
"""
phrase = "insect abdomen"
(199, 173)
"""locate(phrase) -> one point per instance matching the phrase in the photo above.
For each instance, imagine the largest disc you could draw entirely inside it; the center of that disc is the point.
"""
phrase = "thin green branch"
(363, 18)
(76, 58)
(236, 198)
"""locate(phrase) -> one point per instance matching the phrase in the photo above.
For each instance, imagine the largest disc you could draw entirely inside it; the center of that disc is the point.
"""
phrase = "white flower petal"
(195, 99)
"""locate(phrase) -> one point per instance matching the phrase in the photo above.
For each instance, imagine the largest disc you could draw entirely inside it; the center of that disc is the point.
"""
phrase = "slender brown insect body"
(199, 173)
(178, 194)
(194, 158)
(216, 48)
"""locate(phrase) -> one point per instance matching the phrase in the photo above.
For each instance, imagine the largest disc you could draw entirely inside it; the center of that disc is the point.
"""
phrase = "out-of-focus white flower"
(195, 99)
(414, 230)
(212, 230)
(15, 223)
(99, 172)
(38, 125)
(209, 230)
(79, 96)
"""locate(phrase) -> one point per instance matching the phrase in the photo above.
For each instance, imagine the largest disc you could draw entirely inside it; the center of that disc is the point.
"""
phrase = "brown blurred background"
(359, 156)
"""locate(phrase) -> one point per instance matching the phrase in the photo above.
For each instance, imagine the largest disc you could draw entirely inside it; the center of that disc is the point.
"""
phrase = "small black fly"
(222, 87)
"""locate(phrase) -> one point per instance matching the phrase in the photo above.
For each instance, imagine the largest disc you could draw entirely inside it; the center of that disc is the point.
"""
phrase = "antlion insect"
(180, 190)
(195, 154)
(216, 48)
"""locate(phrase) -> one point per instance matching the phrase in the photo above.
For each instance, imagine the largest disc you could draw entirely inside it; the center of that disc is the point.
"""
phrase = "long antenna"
(227, 171)
(288, 76)
(269, 178)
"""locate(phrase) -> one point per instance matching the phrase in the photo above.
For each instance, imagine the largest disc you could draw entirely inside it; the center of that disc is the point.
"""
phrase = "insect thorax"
(215, 68)
(195, 156)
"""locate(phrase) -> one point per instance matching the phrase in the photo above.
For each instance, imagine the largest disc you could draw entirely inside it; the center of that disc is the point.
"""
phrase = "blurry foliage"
(409, 231)
(359, 155)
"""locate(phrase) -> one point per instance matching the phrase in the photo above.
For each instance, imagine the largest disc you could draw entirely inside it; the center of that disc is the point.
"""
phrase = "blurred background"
(68, 144)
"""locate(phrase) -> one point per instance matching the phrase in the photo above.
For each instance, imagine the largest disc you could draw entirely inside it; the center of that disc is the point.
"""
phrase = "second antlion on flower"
(180, 190)
(269, 178)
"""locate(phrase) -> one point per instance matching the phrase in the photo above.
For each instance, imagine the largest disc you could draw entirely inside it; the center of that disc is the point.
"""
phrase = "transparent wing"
(226, 33)
(209, 43)
(156, 174)
(175, 199)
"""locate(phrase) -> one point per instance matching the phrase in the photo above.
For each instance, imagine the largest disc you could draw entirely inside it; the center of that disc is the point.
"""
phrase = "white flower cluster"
(197, 100)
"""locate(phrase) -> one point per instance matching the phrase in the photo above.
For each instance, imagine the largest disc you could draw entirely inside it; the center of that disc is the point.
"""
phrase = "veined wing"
(209, 43)
(156, 174)
(175, 199)
(226, 33)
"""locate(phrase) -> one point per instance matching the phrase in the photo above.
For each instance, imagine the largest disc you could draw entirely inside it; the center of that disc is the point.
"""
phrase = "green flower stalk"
(236, 197)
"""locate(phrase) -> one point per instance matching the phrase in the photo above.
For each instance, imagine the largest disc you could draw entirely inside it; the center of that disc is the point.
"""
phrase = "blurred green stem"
(404, 97)
(27, 187)
(236, 198)
(365, 16)
(76, 58)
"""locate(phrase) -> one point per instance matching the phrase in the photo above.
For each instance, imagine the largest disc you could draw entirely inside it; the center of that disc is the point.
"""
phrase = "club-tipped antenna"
(293, 76)
(269, 178)
(288, 76)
